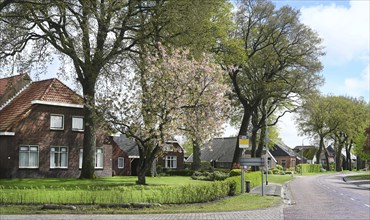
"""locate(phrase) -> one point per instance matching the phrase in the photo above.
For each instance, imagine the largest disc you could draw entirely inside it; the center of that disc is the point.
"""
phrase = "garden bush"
(180, 172)
(235, 172)
(209, 176)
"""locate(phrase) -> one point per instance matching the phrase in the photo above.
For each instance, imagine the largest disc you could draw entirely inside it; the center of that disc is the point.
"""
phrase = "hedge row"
(255, 178)
(309, 168)
(175, 194)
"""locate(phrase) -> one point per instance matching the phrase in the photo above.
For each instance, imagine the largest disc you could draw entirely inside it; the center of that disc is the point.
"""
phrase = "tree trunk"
(196, 165)
(141, 178)
(254, 146)
(318, 154)
(348, 159)
(89, 141)
(327, 160)
(242, 131)
(261, 142)
(358, 163)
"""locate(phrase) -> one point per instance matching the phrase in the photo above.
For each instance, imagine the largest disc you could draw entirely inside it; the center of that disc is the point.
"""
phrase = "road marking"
(352, 199)
(367, 205)
(342, 194)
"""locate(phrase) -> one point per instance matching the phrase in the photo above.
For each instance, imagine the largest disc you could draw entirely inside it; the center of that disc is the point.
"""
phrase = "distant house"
(285, 156)
(309, 154)
(41, 130)
(126, 156)
(219, 152)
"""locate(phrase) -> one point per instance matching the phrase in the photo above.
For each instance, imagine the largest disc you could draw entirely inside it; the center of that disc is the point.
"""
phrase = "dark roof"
(127, 144)
(51, 90)
(281, 149)
(218, 149)
(130, 146)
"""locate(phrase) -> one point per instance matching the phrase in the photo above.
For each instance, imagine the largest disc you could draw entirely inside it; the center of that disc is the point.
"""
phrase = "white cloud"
(289, 132)
(358, 86)
(345, 30)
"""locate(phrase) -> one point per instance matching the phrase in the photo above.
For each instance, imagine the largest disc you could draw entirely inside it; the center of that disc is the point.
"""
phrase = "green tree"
(99, 39)
(280, 61)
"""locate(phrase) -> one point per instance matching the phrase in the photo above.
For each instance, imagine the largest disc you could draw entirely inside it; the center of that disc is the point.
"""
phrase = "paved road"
(327, 197)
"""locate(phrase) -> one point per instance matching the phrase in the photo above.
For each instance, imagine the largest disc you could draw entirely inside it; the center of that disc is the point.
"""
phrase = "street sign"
(243, 141)
(256, 161)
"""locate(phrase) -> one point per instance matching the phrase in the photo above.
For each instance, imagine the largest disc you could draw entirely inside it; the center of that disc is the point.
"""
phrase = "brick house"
(285, 156)
(41, 130)
(126, 156)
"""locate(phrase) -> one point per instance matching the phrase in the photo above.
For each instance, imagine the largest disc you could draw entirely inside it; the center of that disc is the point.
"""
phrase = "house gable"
(51, 90)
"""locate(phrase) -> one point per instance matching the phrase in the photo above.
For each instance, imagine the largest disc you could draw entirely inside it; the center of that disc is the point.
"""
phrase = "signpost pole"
(262, 182)
(242, 190)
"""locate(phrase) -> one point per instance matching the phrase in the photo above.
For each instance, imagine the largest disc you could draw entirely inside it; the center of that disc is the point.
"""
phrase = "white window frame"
(51, 122)
(97, 154)
(99, 158)
(28, 153)
(122, 164)
(171, 162)
(58, 151)
(73, 124)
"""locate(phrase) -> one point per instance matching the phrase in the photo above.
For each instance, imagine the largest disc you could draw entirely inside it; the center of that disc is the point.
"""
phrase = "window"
(99, 158)
(171, 162)
(77, 123)
(121, 162)
(59, 157)
(28, 156)
(56, 122)
(283, 163)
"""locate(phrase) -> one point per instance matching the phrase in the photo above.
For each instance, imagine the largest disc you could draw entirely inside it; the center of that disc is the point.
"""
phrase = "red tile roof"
(6, 83)
(51, 90)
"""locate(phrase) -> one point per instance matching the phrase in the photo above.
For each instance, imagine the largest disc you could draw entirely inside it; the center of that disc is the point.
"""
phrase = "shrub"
(205, 165)
(275, 170)
(179, 172)
(282, 172)
(279, 167)
(235, 172)
(289, 172)
(209, 176)
(218, 175)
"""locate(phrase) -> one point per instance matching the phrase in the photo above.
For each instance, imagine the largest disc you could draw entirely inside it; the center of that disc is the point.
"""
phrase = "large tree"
(98, 38)
(280, 60)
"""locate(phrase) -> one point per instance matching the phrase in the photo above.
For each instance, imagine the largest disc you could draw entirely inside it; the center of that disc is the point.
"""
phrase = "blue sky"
(344, 27)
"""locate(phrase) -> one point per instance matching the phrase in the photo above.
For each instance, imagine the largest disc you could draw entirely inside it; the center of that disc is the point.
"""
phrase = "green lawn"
(359, 177)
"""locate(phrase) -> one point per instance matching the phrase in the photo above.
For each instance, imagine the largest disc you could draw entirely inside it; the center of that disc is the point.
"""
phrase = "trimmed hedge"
(255, 179)
(179, 172)
(308, 168)
(175, 194)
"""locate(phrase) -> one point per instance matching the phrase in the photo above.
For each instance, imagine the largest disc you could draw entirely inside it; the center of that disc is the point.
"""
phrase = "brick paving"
(274, 213)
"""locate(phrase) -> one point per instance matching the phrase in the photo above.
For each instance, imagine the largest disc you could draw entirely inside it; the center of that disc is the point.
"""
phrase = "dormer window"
(77, 123)
(56, 122)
